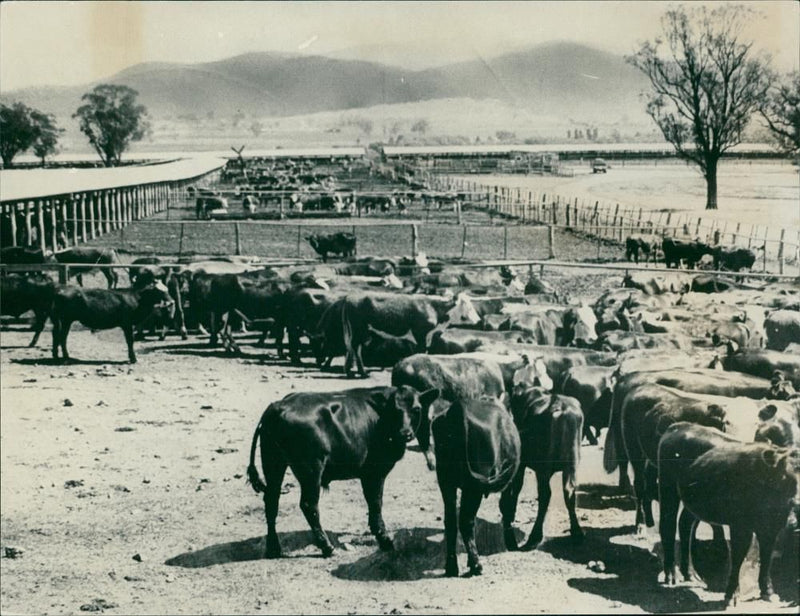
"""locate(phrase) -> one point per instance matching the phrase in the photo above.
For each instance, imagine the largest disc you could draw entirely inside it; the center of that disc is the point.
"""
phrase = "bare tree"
(706, 84)
(781, 110)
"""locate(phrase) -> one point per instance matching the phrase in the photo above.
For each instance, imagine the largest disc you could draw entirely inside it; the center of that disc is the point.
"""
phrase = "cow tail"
(347, 330)
(253, 477)
(610, 460)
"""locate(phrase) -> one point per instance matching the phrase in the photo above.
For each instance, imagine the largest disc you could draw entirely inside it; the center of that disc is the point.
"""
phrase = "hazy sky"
(70, 43)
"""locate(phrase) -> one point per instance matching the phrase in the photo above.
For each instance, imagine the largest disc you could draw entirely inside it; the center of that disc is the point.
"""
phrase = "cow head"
(778, 426)
(580, 325)
(463, 311)
(155, 296)
(406, 414)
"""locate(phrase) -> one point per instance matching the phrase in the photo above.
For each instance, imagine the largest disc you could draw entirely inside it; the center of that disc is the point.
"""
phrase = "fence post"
(697, 228)
(63, 274)
(299, 231)
(505, 241)
(414, 240)
(238, 240)
(40, 224)
(180, 241)
(766, 233)
(13, 222)
(780, 251)
(614, 224)
(458, 211)
(550, 243)
(464, 241)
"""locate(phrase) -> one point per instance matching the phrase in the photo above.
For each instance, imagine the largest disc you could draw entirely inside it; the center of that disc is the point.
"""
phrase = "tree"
(781, 110)
(46, 143)
(111, 119)
(22, 127)
(705, 86)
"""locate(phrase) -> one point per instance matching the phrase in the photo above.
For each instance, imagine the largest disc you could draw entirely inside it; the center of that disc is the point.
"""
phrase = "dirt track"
(148, 460)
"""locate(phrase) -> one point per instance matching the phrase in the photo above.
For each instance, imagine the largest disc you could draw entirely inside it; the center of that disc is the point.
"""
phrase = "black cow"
(676, 250)
(207, 203)
(635, 244)
(734, 259)
(384, 350)
(340, 243)
(304, 310)
(324, 437)
(593, 388)
(23, 255)
(763, 363)
(89, 258)
(478, 450)
(550, 428)
(748, 486)
(146, 271)
(105, 309)
(19, 294)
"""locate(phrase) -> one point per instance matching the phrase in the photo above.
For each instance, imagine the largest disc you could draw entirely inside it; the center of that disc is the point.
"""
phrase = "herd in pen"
(689, 379)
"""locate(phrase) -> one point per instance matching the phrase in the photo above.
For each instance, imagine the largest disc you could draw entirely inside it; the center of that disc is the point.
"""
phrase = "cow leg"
(38, 326)
(62, 337)
(470, 502)
(309, 479)
(639, 492)
(767, 535)
(111, 277)
(740, 544)
(373, 493)
(273, 478)
(569, 482)
(128, 330)
(508, 508)
(668, 518)
(543, 490)
(449, 494)
(587, 432)
(56, 336)
(650, 492)
(360, 362)
(687, 527)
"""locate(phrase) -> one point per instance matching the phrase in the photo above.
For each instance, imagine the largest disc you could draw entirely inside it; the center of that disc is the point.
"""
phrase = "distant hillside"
(562, 79)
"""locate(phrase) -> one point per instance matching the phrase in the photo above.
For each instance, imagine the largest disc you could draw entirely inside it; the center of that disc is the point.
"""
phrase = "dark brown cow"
(550, 427)
(324, 437)
(19, 294)
(87, 260)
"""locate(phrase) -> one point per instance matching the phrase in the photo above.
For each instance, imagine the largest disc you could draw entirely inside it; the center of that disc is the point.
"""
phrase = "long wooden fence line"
(74, 210)
(611, 222)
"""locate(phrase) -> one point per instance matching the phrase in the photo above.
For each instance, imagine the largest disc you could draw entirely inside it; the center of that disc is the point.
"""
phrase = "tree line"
(110, 117)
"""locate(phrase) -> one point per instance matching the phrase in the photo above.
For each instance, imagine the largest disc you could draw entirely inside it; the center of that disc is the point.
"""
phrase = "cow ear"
(426, 398)
(771, 457)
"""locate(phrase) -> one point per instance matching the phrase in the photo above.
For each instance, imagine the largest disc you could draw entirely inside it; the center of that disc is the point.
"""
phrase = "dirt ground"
(123, 486)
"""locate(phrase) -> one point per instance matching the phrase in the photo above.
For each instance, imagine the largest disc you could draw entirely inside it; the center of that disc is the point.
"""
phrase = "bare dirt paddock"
(123, 485)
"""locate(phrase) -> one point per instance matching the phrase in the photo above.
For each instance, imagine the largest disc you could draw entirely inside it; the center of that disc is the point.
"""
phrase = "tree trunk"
(711, 185)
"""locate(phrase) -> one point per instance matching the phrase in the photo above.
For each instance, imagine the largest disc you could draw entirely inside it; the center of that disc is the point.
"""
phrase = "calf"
(550, 427)
(324, 437)
(635, 244)
(101, 309)
(19, 294)
(747, 486)
(478, 450)
(89, 258)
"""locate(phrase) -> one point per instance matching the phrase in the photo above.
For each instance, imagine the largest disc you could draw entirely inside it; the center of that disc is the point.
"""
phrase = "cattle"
(105, 309)
(207, 204)
(706, 283)
(779, 424)
(455, 378)
(366, 266)
(249, 204)
(340, 243)
(593, 388)
(384, 350)
(676, 251)
(550, 427)
(456, 340)
(655, 285)
(88, 259)
(23, 255)
(646, 244)
(19, 294)
(548, 325)
(621, 341)
(324, 437)
(783, 329)
(304, 310)
(749, 487)
(145, 271)
(732, 258)
(763, 363)
(392, 314)
(477, 449)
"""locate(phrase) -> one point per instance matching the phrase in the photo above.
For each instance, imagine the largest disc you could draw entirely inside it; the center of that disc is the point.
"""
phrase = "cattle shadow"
(631, 573)
(420, 554)
(250, 549)
(72, 361)
(599, 496)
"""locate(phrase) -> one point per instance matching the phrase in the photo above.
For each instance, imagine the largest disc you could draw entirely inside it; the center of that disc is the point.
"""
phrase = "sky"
(74, 43)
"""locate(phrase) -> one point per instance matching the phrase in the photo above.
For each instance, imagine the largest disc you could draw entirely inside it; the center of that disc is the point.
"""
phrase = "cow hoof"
(327, 551)
(272, 553)
(768, 597)
(578, 537)
(385, 544)
(132, 360)
(510, 540)
(475, 570)
(531, 544)
(451, 571)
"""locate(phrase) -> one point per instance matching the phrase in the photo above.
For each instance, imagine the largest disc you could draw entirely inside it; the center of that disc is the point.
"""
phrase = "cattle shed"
(47, 207)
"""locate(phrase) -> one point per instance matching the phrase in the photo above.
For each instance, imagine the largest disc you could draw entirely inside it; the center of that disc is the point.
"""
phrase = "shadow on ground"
(603, 496)
(420, 553)
(72, 361)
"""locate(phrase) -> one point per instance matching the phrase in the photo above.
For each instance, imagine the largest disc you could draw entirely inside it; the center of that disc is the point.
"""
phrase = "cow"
(620, 341)
(249, 204)
(477, 448)
(206, 204)
(89, 258)
(384, 350)
(105, 309)
(732, 258)
(783, 328)
(763, 363)
(19, 294)
(24, 255)
(749, 487)
(340, 243)
(145, 271)
(324, 437)
(550, 427)
(454, 377)
(676, 250)
(706, 283)
(646, 244)
(392, 314)
(593, 388)
(561, 326)
(304, 311)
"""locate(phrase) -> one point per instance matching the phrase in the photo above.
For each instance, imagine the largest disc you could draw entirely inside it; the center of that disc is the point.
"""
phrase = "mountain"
(564, 79)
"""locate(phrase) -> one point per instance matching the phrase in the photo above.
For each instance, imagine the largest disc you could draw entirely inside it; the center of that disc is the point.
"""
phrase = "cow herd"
(676, 252)
(690, 388)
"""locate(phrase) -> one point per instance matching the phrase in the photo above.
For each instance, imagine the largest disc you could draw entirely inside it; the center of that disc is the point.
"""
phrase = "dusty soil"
(123, 486)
